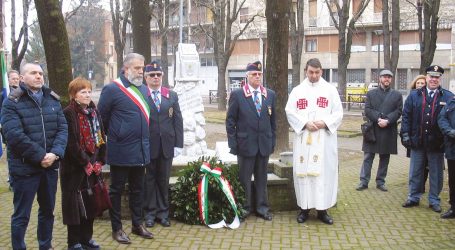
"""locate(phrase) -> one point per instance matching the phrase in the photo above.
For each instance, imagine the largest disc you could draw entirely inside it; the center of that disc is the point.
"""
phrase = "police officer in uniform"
(250, 127)
(421, 133)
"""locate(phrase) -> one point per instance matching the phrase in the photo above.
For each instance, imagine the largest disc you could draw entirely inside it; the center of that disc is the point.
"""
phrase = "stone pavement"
(370, 219)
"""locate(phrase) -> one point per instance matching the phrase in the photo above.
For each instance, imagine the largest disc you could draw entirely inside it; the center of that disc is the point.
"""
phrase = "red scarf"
(90, 136)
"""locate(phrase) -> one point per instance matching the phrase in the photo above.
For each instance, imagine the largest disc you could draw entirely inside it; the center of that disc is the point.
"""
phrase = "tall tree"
(22, 39)
(277, 14)
(391, 58)
(140, 13)
(340, 15)
(56, 46)
(119, 14)
(35, 51)
(225, 13)
(297, 37)
(161, 14)
(429, 33)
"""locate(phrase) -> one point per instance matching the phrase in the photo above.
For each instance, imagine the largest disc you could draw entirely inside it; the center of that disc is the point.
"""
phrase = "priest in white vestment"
(315, 112)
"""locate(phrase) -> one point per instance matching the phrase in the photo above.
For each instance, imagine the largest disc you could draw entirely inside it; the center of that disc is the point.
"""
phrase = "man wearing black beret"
(250, 126)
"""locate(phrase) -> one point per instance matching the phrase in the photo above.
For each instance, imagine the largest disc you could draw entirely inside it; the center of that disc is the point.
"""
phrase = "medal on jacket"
(270, 110)
(171, 112)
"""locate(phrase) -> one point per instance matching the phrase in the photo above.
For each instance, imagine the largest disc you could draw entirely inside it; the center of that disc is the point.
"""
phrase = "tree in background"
(428, 31)
(35, 51)
(161, 14)
(22, 39)
(391, 58)
(297, 35)
(277, 14)
(340, 15)
(140, 13)
(56, 45)
(224, 33)
(120, 13)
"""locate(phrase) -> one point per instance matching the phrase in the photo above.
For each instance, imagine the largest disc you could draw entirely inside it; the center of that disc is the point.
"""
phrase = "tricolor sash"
(136, 96)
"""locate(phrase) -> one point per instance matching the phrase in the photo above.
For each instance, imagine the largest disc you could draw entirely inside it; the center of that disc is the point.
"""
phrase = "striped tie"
(156, 99)
(256, 102)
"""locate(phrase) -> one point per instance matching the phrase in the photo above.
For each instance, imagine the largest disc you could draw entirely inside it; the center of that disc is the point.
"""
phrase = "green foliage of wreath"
(184, 197)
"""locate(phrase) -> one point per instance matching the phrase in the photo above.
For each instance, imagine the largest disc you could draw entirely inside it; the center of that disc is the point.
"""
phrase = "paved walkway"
(370, 219)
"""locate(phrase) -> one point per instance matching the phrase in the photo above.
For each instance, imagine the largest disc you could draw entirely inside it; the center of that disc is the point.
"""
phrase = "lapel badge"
(270, 110)
(171, 112)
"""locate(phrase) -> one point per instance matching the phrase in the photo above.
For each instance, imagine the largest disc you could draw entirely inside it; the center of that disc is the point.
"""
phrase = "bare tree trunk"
(22, 40)
(140, 13)
(222, 94)
(430, 33)
(277, 14)
(297, 38)
(119, 23)
(56, 46)
(163, 25)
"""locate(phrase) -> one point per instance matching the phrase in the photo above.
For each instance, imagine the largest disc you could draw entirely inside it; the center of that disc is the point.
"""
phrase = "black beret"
(435, 70)
(256, 66)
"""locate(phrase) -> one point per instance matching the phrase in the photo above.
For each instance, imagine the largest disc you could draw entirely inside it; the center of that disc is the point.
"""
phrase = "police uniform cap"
(256, 66)
(153, 66)
(435, 70)
(386, 72)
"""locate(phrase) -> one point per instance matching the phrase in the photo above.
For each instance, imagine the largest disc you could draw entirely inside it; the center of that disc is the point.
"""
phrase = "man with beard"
(125, 113)
(383, 107)
(315, 112)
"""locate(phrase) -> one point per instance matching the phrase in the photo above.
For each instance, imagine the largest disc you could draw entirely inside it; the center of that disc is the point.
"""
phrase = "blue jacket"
(446, 121)
(412, 119)
(248, 133)
(32, 130)
(127, 128)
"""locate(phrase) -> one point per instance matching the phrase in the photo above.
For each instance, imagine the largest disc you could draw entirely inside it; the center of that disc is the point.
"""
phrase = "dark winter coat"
(412, 122)
(33, 129)
(72, 174)
(446, 122)
(385, 104)
(127, 129)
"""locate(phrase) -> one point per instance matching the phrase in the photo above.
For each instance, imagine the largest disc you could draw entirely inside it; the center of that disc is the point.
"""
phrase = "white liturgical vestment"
(315, 154)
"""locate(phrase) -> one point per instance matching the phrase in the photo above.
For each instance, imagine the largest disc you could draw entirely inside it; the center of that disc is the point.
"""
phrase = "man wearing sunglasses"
(166, 142)
(250, 127)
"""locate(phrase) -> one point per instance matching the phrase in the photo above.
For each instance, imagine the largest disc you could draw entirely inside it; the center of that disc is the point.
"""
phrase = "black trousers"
(256, 165)
(135, 177)
(451, 172)
(81, 233)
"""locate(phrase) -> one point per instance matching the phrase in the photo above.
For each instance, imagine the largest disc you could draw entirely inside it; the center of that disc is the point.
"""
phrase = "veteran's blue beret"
(153, 66)
(435, 70)
(256, 66)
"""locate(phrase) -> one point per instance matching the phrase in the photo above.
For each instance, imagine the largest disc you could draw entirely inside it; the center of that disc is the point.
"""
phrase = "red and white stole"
(136, 96)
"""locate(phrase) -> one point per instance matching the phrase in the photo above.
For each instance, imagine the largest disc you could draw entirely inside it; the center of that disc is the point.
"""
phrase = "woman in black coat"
(84, 158)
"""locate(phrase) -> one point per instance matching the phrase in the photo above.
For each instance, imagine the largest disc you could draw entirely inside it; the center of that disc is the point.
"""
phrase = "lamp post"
(379, 33)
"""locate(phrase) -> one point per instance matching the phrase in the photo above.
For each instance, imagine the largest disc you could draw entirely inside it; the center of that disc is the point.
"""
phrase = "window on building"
(207, 62)
(326, 74)
(355, 75)
(356, 6)
(401, 79)
(311, 45)
(377, 6)
(244, 15)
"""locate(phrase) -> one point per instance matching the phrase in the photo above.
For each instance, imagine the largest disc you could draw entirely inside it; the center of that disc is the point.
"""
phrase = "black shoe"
(410, 203)
(450, 214)
(265, 216)
(121, 237)
(77, 246)
(150, 223)
(361, 187)
(90, 245)
(436, 208)
(303, 215)
(142, 232)
(382, 187)
(165, 222)
(325, 217)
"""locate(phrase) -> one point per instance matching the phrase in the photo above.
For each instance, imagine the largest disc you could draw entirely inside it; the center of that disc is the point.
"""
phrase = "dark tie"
(256, 102)
(156, 99)
(430, 94)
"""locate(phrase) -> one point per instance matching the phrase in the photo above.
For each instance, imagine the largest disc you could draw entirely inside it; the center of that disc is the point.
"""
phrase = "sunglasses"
(154, 74)
(256, 74)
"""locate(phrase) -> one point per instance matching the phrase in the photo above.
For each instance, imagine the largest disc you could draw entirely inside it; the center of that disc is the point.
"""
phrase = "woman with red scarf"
(84, 158)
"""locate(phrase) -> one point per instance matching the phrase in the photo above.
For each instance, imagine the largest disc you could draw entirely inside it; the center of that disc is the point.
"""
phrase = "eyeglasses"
(154, 74)
(256, 74)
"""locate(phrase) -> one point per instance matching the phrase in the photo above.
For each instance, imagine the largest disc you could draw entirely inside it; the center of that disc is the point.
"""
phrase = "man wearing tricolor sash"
(315, 112)
(125, 112)
(250, 127)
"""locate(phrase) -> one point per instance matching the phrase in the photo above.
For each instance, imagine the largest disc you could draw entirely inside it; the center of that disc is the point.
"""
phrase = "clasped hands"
(315, 125)
(93, 168)
(383, 122)
(48, 160)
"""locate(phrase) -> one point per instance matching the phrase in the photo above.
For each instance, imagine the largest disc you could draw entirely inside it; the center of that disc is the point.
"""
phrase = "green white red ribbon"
(203, 197)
